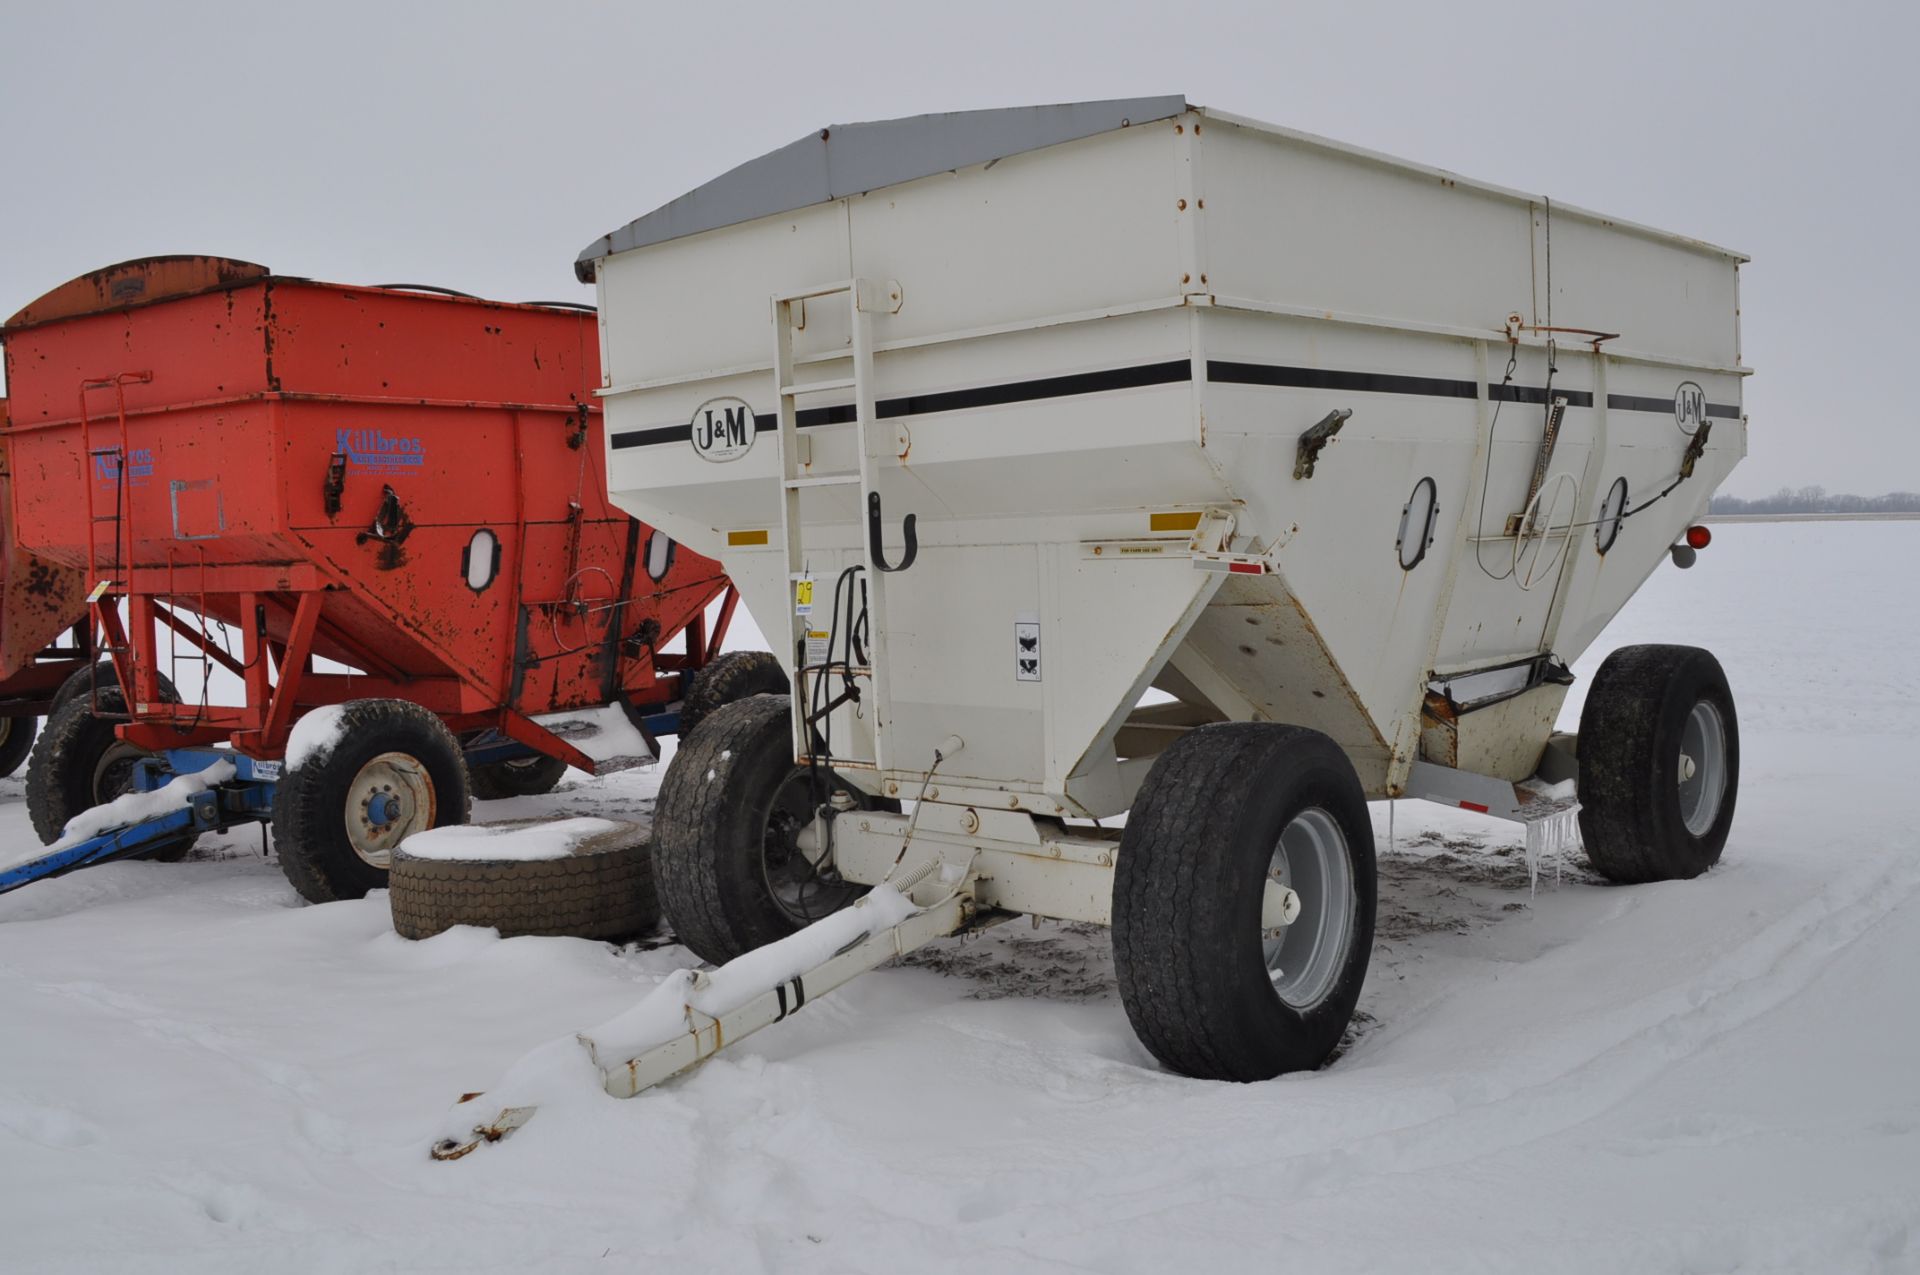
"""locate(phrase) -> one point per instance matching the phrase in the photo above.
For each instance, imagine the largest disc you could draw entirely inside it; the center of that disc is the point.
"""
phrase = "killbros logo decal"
(723, 429)
(374, 452)
(139, 467)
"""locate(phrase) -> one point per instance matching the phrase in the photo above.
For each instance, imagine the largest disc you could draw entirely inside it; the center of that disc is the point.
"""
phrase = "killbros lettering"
(372, 451)
(139, 467)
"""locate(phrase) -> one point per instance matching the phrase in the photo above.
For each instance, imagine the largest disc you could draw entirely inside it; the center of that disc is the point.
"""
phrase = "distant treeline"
(1818, 500)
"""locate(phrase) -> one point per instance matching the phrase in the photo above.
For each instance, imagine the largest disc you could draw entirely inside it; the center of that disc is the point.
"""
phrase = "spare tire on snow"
(598, 887)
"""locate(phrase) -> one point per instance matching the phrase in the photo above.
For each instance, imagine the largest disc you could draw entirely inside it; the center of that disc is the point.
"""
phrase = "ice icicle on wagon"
(393, 499)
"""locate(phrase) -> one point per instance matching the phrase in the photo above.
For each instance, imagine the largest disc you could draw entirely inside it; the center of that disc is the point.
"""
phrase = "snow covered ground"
(199, 1073)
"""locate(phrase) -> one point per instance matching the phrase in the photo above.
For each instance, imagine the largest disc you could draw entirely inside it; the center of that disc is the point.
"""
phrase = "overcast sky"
(481, 145)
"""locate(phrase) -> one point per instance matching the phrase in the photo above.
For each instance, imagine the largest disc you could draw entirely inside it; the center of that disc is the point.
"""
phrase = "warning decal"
(1026, 646)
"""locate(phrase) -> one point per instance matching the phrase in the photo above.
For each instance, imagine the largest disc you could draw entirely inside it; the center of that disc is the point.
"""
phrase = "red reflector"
(1473, 805)
(1699, 537)
(1246, 568)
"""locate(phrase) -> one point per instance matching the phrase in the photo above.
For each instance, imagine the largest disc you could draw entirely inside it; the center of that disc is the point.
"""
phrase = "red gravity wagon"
(378, 516)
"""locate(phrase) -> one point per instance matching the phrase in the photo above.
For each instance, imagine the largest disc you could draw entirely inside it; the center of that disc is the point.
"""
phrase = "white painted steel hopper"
(1098, 334)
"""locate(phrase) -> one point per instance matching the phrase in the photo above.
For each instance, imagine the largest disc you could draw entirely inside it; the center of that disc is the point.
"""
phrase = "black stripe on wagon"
(661, 434)
(1172, 372)
(1646, 403)
(1532, 394)
(1317, 378)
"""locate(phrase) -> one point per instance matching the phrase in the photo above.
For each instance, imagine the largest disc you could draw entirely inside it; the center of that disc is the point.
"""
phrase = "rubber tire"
(309, 803)
(709, 825)
(736, 675)
(1629, 763)
(1187, 892)
(16, 742)
(103, 676)
(499, 780)
(604, 890)
(60, 773)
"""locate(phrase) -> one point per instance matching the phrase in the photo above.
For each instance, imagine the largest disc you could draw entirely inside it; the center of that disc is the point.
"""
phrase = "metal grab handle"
(390, 522)
(1315, 437)
(874, 552)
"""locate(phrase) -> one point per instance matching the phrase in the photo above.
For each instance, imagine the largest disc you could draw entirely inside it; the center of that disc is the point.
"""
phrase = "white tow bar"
(707, 1035)
(626, 1070)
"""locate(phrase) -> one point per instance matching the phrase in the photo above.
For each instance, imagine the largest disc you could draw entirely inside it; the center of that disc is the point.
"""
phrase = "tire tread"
(499, 780)
(606, 894)
(693, 814)
(734, 676)
(304, 833)
(18, 744)
(1630, 834)
(1174, 869)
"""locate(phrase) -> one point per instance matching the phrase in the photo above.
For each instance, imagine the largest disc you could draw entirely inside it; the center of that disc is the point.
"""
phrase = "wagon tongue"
(693, 1014)
(607, 734)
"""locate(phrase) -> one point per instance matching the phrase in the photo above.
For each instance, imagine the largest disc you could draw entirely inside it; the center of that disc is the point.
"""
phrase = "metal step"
(818, 387)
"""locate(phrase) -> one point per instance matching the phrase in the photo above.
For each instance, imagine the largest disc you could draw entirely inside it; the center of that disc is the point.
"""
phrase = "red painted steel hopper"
(406, 483)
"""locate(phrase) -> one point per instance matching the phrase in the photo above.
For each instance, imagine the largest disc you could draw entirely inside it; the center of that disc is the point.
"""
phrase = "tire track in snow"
(1542, 1094)
(244, 1054)
(1771, 968)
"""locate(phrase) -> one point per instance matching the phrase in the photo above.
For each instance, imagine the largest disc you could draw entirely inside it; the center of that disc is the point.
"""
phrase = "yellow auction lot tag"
(803, 596)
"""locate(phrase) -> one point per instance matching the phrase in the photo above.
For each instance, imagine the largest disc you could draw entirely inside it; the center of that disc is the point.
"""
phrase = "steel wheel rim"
(1702, 768)
(1311, 859)
(802, 890)
(375, 827)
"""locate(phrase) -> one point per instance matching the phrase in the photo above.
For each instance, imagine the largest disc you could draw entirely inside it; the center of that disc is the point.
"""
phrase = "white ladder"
(876, 446)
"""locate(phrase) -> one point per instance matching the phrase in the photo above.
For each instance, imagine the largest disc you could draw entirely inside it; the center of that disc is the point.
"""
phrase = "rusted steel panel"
(134, 283)
(39, 600)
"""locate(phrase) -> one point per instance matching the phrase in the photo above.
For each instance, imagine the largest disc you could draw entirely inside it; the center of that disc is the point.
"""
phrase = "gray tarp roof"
(847, 159)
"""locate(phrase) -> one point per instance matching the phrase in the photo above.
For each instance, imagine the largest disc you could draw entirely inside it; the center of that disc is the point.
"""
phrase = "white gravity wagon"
(1135, 458)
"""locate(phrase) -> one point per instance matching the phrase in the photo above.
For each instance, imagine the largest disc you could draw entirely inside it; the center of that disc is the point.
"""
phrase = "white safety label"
(1026, 646)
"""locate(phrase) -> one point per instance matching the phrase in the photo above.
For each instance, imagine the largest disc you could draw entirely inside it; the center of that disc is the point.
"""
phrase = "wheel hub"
(1703, 768)
(389, 800)
(113, 773)
(1279, 907)
(796, 856)
(1307, 923)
